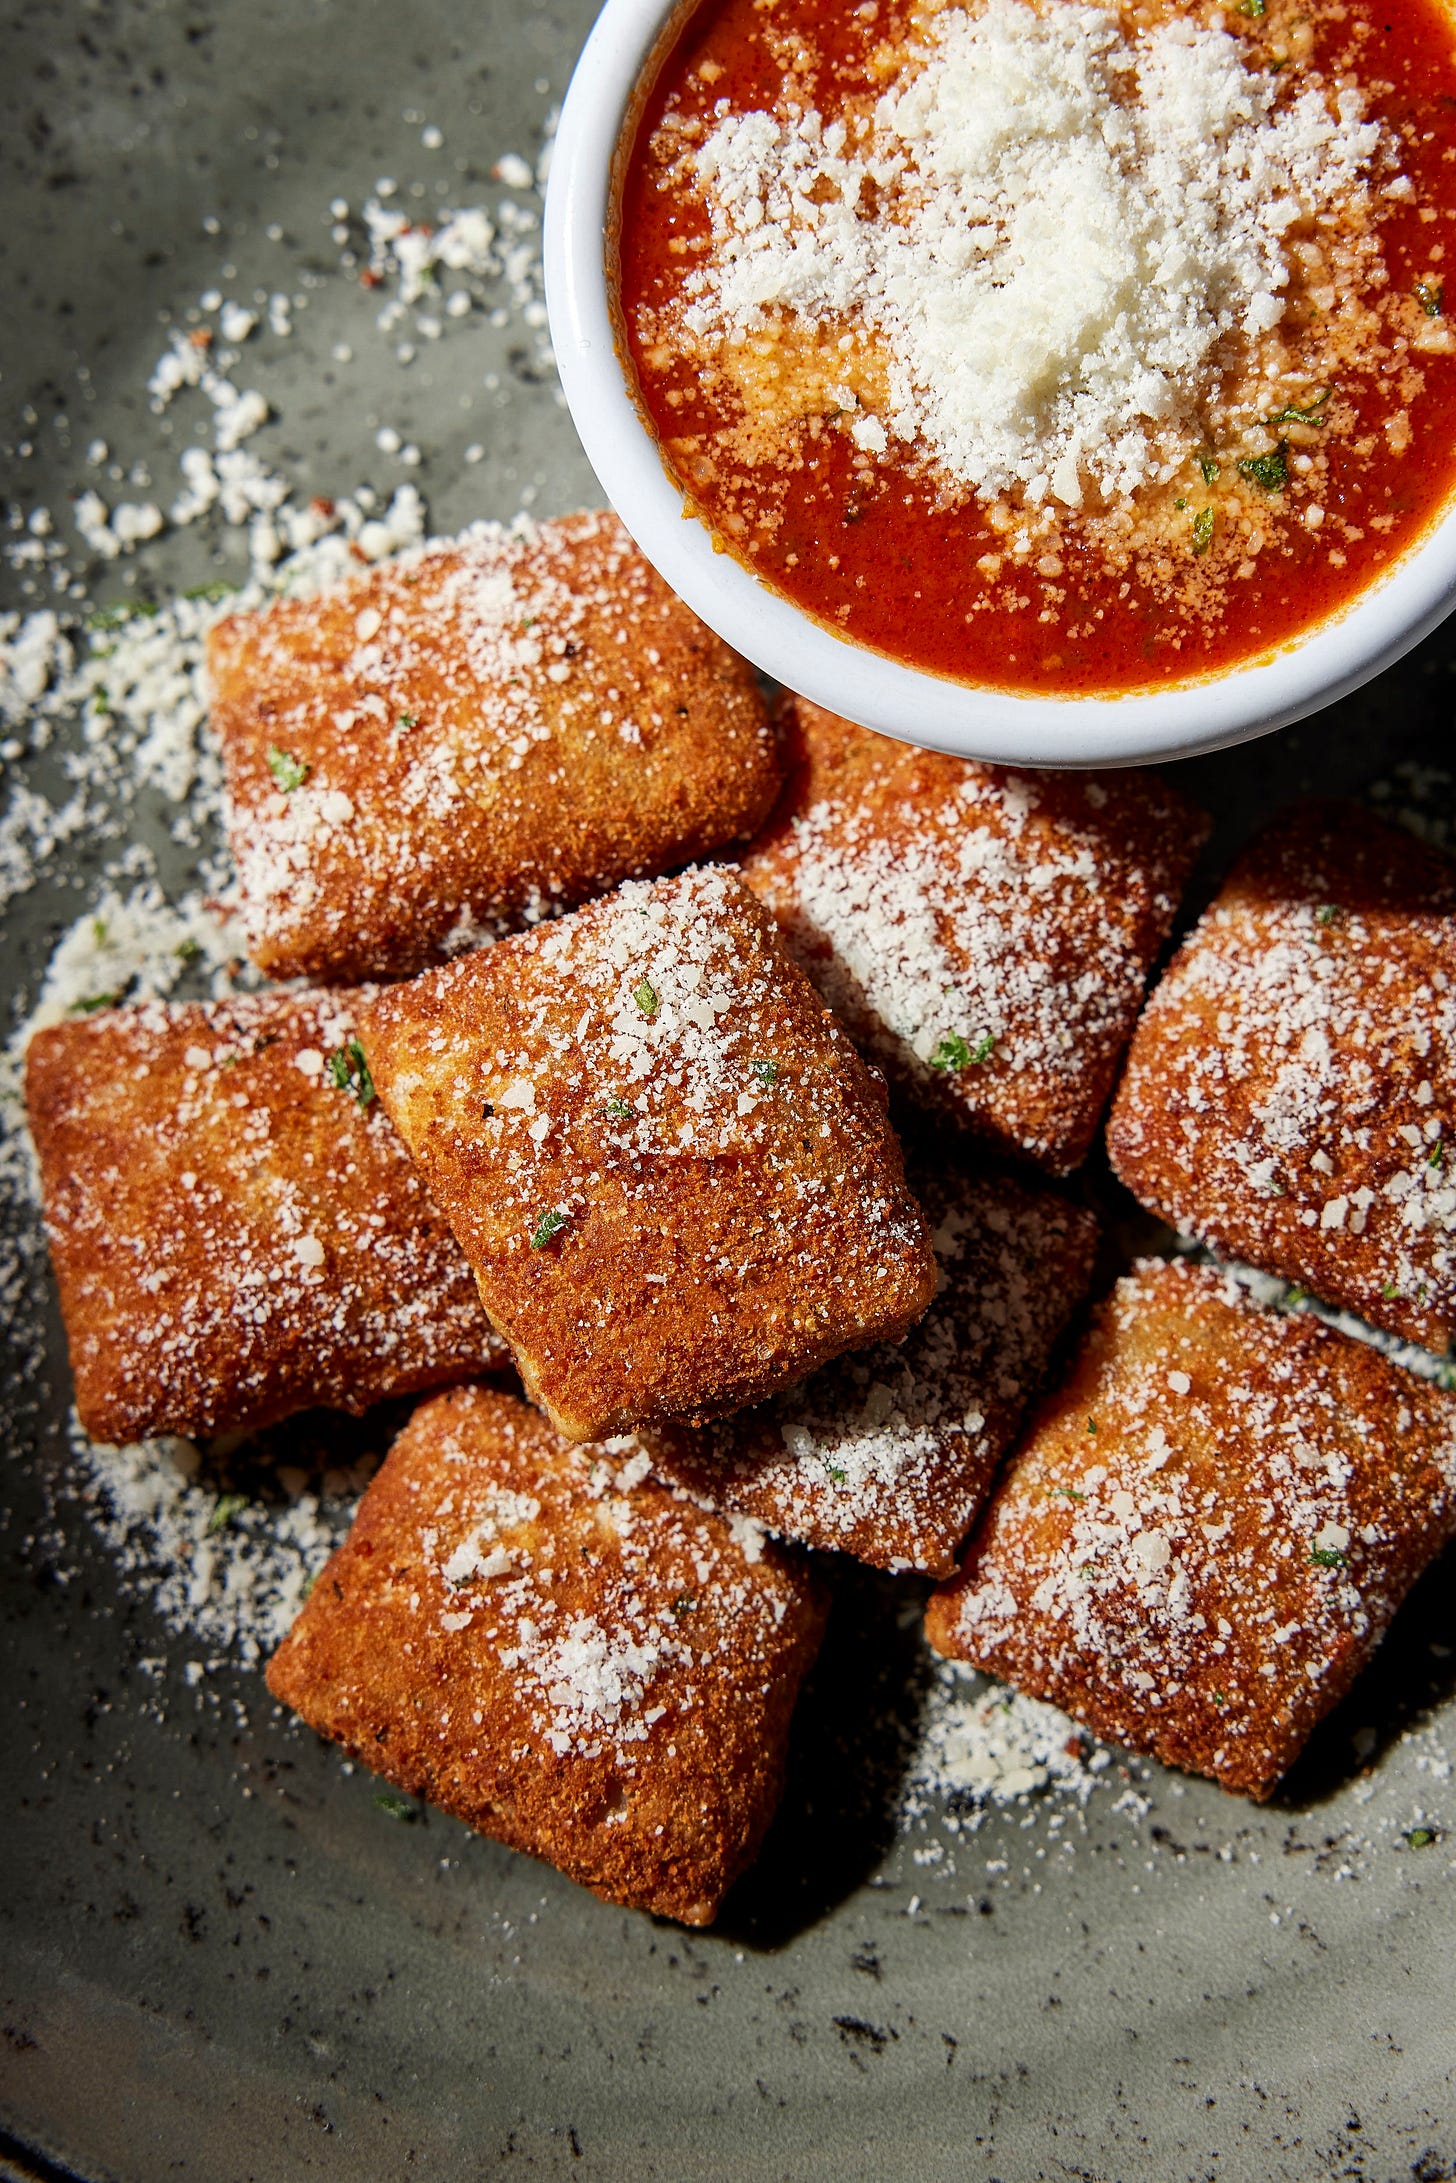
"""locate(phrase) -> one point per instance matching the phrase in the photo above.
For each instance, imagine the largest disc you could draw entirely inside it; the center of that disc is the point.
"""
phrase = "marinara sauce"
(897, 561)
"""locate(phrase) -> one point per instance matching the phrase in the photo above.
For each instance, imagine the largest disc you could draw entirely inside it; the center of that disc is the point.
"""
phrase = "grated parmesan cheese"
(1045, 234)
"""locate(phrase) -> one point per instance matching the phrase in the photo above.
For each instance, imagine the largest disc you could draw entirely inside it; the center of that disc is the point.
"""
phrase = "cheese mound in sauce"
(1109, 278)
(1068, 221)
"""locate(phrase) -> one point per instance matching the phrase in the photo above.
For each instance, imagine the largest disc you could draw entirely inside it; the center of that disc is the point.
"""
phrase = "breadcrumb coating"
(1290, 1096)
(559, 1652)
(984, 935)
(888, 1452)
(667, 1165)
(1209, 1527)
(471, 738)
(236, 1229)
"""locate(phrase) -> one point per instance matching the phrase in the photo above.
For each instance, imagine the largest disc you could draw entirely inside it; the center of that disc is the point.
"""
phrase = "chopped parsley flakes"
(1270, 471)
(954, 1053)
(619, 1110)
(549, 1225)
(289, 772)
(226, 1506)
(108, 617)
(644, 994)
(1421, 1837)
(349, 1071)
(767, 1072)
(1327, 1557)
(113, 617)
(396, 1807)
(1209, 465)
(1309, 415)
(1431, 296)
(1203, 530)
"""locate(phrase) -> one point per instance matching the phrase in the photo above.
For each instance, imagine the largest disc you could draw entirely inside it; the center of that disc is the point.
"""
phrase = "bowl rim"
(1205, 713)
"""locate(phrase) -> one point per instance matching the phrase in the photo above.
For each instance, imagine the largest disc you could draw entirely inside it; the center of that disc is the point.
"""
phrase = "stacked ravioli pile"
(727, 1077)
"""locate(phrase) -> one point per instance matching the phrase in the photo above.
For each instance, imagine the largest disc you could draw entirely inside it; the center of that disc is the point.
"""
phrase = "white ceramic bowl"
(1178, 721)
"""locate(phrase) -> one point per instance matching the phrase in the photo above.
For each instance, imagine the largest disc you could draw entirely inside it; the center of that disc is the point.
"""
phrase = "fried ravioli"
(470, 738)
(984, 935)
(1290, 1096)
(560, 1653)
(672, 1173)
(1209, 1528)
(887, 1453)
(236, 1229)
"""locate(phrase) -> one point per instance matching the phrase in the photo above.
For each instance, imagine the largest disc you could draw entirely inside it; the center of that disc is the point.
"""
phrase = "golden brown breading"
(984, 935)
(1290, 1095)
(669, 1168)
(1209, 1528)
(467, 739)
(560, 1653)
(234, 1235)
(887, 1453)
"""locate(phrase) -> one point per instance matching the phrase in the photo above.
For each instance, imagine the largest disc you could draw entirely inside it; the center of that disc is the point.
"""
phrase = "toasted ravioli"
(236, 1234)
(470, 738)
(984, 935)
(1209, 1528)
(561, 1653)
(1290, 1096)
(887, 1453)
(672, 1173)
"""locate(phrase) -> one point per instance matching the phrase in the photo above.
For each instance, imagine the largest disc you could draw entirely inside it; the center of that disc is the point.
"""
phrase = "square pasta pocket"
(560, 1653)
(463, 739)
(670, 1170)
(236, 1228)
(888, 1452)
(1208, 1529)
(1290, 1095)
(984, 935)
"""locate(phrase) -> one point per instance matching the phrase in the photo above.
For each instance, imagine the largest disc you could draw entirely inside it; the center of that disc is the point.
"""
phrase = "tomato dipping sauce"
(1065, 349)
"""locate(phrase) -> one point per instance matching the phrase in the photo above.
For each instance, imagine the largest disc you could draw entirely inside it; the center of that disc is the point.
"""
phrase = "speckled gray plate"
(220, 1960)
